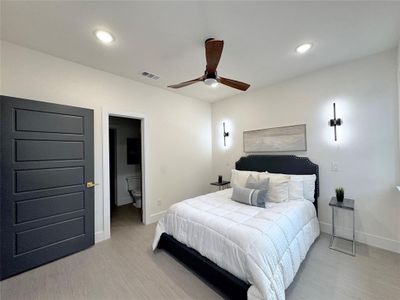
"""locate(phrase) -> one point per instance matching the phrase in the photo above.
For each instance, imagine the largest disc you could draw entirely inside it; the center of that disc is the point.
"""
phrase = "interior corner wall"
(178, 127)
(367, 151)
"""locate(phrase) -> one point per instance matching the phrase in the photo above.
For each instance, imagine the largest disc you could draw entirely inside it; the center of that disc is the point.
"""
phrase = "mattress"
(262, 246)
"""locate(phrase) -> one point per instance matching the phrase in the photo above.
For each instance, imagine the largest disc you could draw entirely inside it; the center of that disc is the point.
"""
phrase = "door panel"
(31, 180)
(33, 209)
(44, 121)
(44, 236)
(46, 158)
(32, 150)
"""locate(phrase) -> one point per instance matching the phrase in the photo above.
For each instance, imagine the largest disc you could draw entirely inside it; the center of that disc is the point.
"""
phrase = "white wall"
(125, 128)
(178, 127)
(367, 151)
(179, 130)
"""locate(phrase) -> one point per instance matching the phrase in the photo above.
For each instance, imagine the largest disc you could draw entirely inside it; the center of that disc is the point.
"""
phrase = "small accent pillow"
(258, 184)
(249, 196)
(239, 178)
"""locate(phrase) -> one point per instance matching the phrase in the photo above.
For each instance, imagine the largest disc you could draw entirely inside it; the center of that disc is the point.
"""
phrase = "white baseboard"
(362, 237)
(100, 236)
(155, 217)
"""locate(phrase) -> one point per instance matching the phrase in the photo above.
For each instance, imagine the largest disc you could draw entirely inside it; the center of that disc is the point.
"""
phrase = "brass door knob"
(90, 184)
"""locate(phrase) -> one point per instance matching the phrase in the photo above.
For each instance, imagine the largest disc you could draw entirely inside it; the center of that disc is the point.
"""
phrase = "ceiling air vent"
(151, 76)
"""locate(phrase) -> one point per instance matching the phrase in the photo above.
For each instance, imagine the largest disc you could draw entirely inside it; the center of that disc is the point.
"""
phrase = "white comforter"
(262, 246)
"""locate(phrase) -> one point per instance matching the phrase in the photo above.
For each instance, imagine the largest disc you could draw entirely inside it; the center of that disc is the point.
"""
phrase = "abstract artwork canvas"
(278, 139)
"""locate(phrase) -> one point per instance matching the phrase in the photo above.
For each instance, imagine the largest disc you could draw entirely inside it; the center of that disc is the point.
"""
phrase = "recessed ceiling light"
(303, 48)
(104, 36)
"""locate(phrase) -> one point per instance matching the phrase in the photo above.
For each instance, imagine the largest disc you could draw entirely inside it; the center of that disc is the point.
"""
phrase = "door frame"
(115, 158)
(106, 165)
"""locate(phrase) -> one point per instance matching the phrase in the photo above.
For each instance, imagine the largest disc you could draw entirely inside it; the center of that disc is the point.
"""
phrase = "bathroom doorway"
(125, 157)
(104, 230)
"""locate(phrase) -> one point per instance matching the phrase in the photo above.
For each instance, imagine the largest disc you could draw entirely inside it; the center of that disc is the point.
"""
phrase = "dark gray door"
(47, 210)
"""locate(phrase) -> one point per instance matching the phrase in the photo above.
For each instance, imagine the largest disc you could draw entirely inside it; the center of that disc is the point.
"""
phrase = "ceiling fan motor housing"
(210, 75)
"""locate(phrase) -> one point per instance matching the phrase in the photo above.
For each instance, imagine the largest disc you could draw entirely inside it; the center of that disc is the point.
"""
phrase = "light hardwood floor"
(124, 267)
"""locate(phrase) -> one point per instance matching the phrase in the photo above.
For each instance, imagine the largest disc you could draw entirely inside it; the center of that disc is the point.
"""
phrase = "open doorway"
(108, 199)
(125, 171)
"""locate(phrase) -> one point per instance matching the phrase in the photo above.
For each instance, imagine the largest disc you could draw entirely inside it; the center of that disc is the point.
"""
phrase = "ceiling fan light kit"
(211, 82)
(213, 55)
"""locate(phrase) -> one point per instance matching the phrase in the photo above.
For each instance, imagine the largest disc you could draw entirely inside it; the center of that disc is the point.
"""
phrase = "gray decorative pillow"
(249, 196)
(254, 183)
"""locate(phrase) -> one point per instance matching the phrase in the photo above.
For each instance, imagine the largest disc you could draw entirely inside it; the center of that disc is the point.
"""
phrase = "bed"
(246, 252)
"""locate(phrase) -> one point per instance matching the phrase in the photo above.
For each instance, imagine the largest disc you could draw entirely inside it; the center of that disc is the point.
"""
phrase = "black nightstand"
(221, 185)
(349, 205)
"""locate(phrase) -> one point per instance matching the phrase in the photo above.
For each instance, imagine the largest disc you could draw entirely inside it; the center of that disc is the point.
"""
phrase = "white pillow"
(296, 188)
(308, 185)
(239, 178)
(278, 190)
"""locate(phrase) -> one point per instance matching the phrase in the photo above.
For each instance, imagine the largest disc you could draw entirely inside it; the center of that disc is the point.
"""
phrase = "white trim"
(107, 112)
(156, 217)
(99, 236)
(362, 237)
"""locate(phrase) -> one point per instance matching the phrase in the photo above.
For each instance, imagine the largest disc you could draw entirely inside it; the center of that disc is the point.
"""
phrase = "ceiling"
(167, 38)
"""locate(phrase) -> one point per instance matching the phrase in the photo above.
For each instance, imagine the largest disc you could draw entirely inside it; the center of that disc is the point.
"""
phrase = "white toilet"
(134, 185)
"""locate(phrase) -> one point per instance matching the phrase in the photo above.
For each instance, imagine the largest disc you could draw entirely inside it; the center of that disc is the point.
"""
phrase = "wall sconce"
(226, 134)
(335, 121)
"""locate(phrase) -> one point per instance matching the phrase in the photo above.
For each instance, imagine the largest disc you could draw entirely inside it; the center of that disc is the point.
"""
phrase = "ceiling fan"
(213, 54)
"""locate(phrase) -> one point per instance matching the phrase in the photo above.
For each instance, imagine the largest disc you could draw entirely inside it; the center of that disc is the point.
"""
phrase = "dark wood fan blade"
(213, 54)
(234, 83)
(186, 83)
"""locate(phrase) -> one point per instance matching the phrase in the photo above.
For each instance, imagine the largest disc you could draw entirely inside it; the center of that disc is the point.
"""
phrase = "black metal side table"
(221, 185)
(349, 205)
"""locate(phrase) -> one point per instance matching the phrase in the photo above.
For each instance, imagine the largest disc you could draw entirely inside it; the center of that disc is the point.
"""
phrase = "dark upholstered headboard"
(286, 164)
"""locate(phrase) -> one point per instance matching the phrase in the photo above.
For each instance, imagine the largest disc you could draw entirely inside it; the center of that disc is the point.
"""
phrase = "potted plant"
(339, 194)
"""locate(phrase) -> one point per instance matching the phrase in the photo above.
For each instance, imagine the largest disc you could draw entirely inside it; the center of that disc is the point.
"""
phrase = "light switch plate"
(334, 167)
